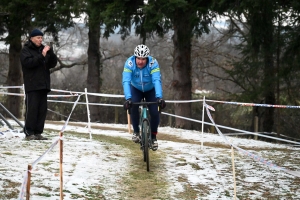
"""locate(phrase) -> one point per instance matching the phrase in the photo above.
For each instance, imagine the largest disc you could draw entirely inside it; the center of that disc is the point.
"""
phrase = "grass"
(9, 192)
(190, 192)
(140, 184)
(7, 153)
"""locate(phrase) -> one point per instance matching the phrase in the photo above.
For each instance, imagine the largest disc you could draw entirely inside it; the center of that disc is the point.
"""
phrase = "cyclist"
(141, 79)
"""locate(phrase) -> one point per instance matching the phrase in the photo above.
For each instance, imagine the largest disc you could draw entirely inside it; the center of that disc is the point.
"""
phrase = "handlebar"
(144, 103)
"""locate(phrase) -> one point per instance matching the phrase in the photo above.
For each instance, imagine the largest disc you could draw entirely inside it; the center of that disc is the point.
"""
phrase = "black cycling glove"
(127, 104)
(161, 103)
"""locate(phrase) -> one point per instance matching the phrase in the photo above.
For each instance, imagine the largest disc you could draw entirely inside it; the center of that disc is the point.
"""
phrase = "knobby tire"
(145, 134)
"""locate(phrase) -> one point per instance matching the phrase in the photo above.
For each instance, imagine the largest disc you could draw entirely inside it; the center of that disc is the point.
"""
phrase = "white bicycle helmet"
(141, 51)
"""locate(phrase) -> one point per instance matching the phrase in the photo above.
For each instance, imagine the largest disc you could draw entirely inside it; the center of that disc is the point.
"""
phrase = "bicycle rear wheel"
(145, 135)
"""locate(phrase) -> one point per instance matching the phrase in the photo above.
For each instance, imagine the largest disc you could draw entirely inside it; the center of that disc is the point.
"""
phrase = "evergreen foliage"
(267, 70)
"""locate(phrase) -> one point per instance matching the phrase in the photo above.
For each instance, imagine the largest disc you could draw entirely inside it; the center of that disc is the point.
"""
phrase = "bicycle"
(145, 130)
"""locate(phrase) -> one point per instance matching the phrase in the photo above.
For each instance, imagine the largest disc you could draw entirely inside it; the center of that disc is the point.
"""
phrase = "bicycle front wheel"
(146, 130)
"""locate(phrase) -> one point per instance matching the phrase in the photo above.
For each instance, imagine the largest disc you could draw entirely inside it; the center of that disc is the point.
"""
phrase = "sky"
(253, 179)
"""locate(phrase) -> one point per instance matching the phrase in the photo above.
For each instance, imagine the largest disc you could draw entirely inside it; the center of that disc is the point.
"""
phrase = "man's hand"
(161, 103)
(127, 104)
(45, 50)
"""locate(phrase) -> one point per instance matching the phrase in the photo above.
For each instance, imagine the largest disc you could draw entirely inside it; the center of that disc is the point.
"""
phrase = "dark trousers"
(137, 96)
(36, 111)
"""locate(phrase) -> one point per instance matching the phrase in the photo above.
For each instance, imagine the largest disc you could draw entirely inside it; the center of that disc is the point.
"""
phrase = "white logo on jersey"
(130, 63)
(152, 62)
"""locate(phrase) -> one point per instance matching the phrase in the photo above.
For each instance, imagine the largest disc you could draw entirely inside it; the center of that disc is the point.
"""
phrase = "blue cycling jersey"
(142, 79)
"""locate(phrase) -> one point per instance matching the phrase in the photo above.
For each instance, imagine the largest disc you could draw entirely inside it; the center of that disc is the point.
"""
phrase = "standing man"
(142, 79)
(36, 60)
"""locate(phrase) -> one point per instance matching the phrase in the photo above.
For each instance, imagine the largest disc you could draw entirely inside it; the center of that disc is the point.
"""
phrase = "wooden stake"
(28, 182)
(233, 171)
(60, 165)
(129, 122)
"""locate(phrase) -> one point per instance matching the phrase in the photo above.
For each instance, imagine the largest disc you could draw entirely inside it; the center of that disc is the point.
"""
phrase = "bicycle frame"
(145, 130)
(144, 115)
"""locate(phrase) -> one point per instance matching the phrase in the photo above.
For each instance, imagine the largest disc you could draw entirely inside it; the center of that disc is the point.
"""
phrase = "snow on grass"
(207, 171)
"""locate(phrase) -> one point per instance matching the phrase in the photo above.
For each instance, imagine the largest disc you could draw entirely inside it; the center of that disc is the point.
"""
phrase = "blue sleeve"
(126, 79)
(156, 78)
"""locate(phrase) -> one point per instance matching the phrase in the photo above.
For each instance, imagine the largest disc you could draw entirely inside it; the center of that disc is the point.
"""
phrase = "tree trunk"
(181, 65)
(94, 68)
(14, 77)
(269, 71)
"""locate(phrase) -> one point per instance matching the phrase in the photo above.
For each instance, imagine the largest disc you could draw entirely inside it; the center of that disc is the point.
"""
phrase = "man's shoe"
(154, 144)
(136, 137)
(40, 137)
(30, 137)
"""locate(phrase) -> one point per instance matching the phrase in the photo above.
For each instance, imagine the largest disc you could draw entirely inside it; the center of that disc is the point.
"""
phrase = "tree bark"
(262, 39)
(14, 77)
(269, 71)
(182, 84)
(94, 68)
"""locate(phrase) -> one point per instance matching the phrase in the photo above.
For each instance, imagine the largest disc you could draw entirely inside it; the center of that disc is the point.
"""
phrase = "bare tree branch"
(62, 65)
(110, 57)
(83, 62)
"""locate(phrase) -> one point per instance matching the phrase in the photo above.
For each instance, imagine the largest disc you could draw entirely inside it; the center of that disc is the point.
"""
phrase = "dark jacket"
(35, 67)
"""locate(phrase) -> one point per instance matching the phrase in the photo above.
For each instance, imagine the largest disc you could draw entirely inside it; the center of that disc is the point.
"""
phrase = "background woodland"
(242, 50)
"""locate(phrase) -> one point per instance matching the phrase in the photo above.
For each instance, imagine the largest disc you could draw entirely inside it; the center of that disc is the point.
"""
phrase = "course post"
(88, 112)
(116, 115)
(129, 122)
(203, 107)
(233, 171)
(60, 165)
(255, 126)
(28, 182)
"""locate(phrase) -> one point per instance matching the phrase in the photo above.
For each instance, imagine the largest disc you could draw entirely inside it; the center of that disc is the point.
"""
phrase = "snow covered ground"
(88, 162)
